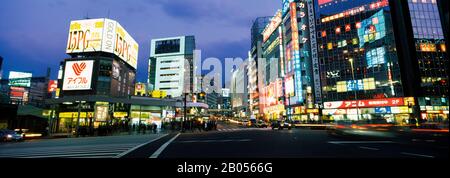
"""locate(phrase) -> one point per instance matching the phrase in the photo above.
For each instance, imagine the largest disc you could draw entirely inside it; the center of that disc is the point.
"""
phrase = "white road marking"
(71, 155)
(357, 142)
(419, 155)
(368, 148)
(209, 141)
(161, 149)
(136, 147)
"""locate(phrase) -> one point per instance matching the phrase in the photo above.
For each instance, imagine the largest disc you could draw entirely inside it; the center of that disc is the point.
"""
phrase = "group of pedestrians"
(193, 125)
(143, 128)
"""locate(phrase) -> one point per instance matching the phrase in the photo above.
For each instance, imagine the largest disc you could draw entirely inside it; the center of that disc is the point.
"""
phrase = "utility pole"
(78, 119)
(355, 89)
(185, 112)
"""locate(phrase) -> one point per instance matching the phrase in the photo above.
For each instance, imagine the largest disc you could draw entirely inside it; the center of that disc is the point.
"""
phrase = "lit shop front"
(304, 114)
(393, 110)
(92, 115)
(273, 103)
(434, 109)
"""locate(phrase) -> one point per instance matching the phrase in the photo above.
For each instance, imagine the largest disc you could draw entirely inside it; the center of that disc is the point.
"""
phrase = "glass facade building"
(255, 83)
(430, 47)
(357, 56)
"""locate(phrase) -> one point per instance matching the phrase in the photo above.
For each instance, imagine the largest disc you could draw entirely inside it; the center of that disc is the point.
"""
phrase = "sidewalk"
(66, 135)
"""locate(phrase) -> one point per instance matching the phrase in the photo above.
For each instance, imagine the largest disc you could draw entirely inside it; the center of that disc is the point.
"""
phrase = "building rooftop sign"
(102, 35)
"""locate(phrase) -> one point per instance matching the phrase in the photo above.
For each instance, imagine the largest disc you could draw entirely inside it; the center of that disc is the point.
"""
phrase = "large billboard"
(19, 79)
(78, 75)
(105, 35)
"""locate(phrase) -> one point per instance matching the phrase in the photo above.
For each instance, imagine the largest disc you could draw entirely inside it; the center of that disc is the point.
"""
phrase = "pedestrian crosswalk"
(88, 151)
(240, 129)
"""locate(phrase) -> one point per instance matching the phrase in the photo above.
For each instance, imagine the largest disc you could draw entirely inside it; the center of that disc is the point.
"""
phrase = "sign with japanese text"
(365, 103)
(78, 75)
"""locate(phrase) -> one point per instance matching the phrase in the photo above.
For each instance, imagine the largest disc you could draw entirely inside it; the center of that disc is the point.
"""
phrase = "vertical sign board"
(314, 55)
(297, 64)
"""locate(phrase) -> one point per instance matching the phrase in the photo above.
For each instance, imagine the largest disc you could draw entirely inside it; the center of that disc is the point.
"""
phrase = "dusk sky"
(33, 34)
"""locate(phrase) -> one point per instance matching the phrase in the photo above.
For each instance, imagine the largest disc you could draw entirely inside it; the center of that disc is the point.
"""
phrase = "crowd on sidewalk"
(125, 128)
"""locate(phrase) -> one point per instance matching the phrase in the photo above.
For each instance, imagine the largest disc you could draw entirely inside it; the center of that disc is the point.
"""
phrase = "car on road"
(261, 124)
(297, 123)
(10, 135)
(363, 128)
(280, 125)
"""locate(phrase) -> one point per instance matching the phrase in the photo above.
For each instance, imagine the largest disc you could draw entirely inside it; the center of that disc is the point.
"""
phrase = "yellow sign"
(120, 114)
(75, 114)
(57, 92)
(312, 110)
(159, 94)
(409, 100)
(139, 89)
(142, 115)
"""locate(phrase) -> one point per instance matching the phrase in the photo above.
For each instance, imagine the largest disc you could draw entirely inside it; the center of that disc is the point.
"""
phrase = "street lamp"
(354, 82)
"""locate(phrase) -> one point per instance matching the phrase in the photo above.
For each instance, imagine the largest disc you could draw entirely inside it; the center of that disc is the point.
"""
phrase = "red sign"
(324, 1)
(52, 85)
(365, 103)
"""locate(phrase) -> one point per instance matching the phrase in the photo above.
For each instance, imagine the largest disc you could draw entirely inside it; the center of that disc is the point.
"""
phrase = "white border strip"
(161, 149)
(136, 147)
(419, 155)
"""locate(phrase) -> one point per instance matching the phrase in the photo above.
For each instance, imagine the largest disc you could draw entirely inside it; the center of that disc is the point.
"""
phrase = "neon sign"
(272, 26)
(296, 51)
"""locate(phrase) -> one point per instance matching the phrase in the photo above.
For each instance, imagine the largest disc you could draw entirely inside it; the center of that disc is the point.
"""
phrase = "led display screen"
(375, 57)
(372, 29)
(167, 46)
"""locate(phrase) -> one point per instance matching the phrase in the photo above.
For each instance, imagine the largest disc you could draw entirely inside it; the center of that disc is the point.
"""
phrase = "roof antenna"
(108, 14)
(87, 15)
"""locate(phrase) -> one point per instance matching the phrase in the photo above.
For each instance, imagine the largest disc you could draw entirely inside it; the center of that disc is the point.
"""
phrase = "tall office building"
(301, 80)
(239, 91)
(171, 65)
(373, 69)
(259, 24)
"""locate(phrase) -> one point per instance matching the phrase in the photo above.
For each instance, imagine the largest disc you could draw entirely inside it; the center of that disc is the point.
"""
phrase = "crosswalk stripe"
(63, 152)
(62, 149)
(93, 151)
(72, 155)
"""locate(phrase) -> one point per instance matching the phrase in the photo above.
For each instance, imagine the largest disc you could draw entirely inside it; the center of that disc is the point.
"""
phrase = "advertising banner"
(20, 79)
(52, 85)
(365, 103)
(102, 35)
(78, 75)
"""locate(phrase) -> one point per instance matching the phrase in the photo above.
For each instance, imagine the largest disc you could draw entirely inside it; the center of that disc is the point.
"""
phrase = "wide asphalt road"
(295, 143)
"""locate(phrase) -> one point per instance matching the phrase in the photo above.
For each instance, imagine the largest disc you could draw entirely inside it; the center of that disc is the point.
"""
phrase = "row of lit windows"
(170, 68)
(168, 75)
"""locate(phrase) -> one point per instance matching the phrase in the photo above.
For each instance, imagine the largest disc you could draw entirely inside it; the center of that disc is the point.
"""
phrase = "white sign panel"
(78, 75)
(105, 35)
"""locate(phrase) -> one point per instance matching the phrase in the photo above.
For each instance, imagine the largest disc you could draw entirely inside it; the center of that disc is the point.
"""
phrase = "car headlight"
(9, 136)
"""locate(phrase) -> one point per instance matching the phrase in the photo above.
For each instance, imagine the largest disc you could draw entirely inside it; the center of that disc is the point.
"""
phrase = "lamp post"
(356, 96)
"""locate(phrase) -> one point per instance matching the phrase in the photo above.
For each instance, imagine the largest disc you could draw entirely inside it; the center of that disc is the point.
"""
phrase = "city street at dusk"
(224, 87)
